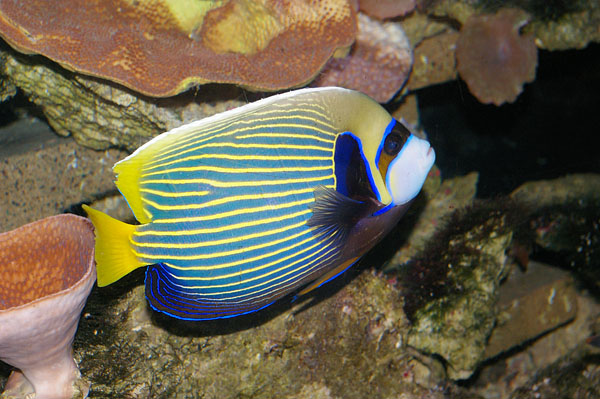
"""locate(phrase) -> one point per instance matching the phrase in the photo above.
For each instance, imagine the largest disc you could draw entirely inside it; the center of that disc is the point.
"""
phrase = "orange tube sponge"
(46, 275)
(493, 58)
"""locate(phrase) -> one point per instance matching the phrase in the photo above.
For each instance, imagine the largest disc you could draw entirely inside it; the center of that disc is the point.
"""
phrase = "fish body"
(242, 208)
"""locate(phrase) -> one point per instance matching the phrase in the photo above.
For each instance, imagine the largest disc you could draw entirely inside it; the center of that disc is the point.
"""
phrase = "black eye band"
(395, 139)
(393, 144)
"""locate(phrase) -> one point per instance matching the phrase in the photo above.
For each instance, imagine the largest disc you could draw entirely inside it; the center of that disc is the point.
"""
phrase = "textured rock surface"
(50, 176)
(567, 222)
(530, 304)
(456, 326)
(101, 115)
(452, 195)
(544, 193)
(347, 345)
(434, 61)
(577, 375)
(517, 368)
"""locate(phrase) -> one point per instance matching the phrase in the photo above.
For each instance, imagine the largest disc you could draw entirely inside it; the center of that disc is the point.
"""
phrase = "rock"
(577, 375)
(530, 304)
(573, 30)
(347, 345)
(442, 200)
(570, 188)
(102, 115)
(451, 287)
(513, 369)
(48, 175)
(567, 220)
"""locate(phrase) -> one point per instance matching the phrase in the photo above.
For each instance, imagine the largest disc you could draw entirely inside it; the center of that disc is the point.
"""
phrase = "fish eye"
(392, 144)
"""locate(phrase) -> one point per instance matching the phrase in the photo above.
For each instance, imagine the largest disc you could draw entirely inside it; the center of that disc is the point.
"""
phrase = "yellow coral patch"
(244, 27)
(187, 14)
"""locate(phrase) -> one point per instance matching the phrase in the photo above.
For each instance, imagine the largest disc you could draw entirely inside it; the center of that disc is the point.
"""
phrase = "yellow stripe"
(236, 212)
(221, 254)
(217, 183)
(220, 242)
(234, 199)
(229, 240)
(226, 124)
(180, 147)
(236, 274)
(287, 135)
(242, 158)
(254, 269)
(236, 145)
(172, 194)
(273, 288)
(237, 283)
(238, 170)
(222, 228)
(301, 103)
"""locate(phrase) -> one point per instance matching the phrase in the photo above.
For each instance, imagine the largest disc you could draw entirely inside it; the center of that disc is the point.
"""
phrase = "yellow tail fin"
(114, 255)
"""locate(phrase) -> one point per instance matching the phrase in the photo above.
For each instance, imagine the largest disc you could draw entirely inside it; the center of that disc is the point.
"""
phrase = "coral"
(383, 9)
(493, 58)
(47, 273)
(434, 61)
(378, 64)
(162, 47)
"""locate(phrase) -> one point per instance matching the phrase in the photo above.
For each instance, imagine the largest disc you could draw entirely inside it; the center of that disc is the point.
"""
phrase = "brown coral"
(162, 47)
(493, 58)
(46, 275)
(378, 64)
(383, 9)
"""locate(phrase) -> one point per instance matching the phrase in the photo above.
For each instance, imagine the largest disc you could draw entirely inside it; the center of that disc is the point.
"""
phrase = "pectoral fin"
(335, 214)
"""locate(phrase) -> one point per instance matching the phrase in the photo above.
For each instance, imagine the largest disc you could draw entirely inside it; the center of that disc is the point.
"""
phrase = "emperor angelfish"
(244, 207)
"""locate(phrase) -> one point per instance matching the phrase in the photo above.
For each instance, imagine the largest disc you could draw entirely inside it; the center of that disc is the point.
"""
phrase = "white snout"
(408, 171)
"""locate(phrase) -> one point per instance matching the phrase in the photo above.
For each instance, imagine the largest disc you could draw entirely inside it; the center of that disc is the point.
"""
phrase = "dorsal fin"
(128, 182)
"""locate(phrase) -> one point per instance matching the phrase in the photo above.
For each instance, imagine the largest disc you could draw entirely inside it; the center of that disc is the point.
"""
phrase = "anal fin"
(328, 276)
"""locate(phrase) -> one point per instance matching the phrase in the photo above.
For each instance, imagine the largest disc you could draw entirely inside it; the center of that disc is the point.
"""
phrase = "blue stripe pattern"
(229, 206)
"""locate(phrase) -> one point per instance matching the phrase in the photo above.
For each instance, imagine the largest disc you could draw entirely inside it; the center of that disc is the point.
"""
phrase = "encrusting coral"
(493, 58)
(383, 9)
(47, 273)
(162, 47)
(378, 63)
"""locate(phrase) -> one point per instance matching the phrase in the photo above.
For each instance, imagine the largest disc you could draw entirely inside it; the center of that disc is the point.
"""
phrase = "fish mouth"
(429, 158)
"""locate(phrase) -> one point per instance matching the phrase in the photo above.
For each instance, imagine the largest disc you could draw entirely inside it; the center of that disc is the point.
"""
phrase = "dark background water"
(552, 129)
